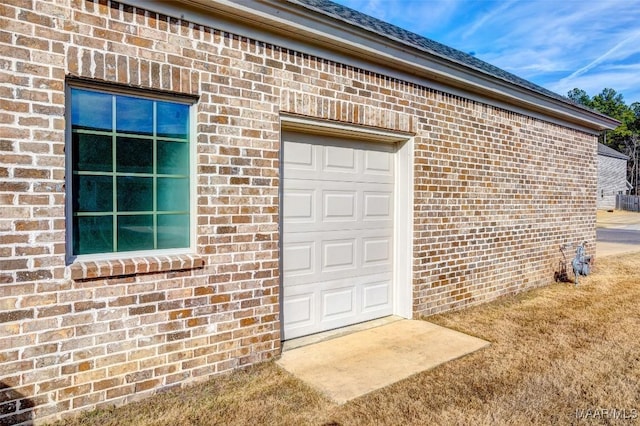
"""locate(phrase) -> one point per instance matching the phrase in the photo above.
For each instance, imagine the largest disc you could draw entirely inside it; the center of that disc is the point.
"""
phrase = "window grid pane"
(135, 189)
(154, 218)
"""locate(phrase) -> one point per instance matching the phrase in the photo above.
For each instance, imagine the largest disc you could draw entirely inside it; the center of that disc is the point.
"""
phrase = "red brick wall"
(496, 195)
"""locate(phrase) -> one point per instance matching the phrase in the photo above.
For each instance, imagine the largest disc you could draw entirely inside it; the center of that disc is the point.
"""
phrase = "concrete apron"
(352, 365)
(618, 232)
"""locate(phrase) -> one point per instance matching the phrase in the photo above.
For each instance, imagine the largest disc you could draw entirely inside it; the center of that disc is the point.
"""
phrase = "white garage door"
(338, 232)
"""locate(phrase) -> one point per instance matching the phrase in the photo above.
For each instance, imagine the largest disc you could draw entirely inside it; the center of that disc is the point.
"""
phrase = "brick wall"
(612, 180)
(493, 191)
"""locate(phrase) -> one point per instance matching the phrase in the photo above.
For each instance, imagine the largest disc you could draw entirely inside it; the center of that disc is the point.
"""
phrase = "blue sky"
(557, 44)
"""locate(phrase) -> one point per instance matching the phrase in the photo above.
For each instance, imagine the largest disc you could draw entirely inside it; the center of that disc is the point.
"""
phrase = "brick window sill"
(86, 270)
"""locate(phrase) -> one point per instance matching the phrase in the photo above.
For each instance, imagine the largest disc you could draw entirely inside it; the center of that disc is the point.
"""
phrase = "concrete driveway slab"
(618, 219)
(349, 366)
(617, 232)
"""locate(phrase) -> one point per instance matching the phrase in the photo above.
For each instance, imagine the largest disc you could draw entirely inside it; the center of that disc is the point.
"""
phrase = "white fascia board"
(289, 26)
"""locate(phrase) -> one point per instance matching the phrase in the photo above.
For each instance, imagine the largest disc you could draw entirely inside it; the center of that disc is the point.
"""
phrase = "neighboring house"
(612, 176)
(185, 185)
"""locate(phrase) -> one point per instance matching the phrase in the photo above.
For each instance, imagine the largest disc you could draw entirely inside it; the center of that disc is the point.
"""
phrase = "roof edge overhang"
(606, 151)
(296, 27)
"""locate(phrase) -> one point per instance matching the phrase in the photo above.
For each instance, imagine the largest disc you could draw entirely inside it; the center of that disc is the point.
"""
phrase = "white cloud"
(486, 18)
(567, 45)
(418, 16)
(617, 49)
(559, 45)
(624, 79)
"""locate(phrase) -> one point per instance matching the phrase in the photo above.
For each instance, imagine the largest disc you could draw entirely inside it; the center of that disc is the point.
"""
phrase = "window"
(129, 165)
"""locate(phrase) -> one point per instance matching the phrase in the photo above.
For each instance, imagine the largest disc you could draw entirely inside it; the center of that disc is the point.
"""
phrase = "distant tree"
(635, 107)
(580, 96)
(611, 103)
(632, 147)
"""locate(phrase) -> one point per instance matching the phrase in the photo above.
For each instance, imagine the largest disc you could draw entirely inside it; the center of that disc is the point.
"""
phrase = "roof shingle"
(385, 29)
(610, 152)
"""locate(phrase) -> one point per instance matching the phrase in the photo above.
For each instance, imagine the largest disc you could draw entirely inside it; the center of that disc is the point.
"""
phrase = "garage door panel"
(313, 206)
(329, 185)
(300, 310)
(378, 163)
(315, 308)
(333, 276)
(340, 302)
(335, 176)
(300, 204)
(339, 254)
(339, 163)
(339, 205)
(377, 205)
(356, 253)
(338, 229)
(299, 258)
(377, 250)
(376, 296)
(317, 287)
(319, 236)
(300, 156)
(341, 159)
(370, 224)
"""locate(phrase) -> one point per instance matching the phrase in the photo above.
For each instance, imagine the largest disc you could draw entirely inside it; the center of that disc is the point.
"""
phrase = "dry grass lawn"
(555, 352)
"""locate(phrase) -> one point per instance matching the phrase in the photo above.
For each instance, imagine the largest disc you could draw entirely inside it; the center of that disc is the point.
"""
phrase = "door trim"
(302, 124)
(403, 198)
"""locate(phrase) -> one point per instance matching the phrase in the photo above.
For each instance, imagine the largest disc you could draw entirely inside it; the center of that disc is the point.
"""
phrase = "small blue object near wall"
(581, 263)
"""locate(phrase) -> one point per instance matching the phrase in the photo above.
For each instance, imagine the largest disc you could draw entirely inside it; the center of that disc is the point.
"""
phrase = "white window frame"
(115, 89)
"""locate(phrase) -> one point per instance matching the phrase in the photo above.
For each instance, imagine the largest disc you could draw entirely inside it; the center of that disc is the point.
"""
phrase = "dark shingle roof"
(398, 34)
(610, 152)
